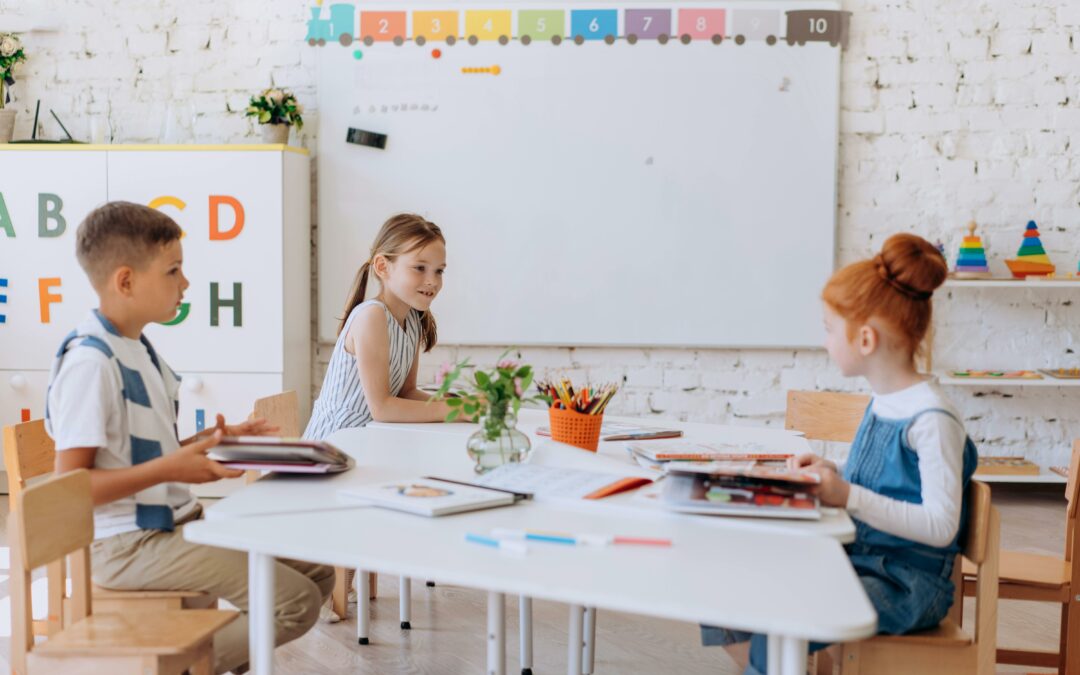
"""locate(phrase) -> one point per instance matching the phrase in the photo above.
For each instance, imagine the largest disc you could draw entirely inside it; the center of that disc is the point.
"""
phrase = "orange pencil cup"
(574, 428)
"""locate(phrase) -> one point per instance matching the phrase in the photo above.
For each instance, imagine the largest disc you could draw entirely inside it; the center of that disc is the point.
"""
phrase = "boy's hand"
(833, 490)
(189, 464)
(809, 461)
(257, 427)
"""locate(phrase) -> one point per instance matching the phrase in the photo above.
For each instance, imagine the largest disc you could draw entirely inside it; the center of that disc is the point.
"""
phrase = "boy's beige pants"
(165, 561)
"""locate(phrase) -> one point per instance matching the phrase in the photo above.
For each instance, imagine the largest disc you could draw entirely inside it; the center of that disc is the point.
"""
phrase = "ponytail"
(428, 333)
(356, 295)
(400, 234)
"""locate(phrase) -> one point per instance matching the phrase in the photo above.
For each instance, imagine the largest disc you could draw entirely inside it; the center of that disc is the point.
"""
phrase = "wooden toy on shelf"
(997, 374)
(1062, 373)
(1062, 471)
(1031, 259)
(1006, 466)
(971, 260)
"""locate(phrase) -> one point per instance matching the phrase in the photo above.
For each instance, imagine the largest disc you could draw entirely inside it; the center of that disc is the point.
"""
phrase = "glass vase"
(497, 442)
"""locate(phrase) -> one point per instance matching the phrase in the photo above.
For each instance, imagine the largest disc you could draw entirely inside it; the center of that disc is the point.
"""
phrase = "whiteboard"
(646, 194)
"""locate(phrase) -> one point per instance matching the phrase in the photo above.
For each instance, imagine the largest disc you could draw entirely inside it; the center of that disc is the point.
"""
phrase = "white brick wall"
(949, 111)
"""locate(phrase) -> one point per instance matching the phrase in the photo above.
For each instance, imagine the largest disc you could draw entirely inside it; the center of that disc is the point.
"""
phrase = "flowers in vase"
(490, 395)
(11, 54)
(276, 106)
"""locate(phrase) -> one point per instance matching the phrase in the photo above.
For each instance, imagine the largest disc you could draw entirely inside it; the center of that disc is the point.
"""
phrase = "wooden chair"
(283, 411)
(28, 454)
(1043, 578)
(824, 415)
(54, 520)
(946, 649)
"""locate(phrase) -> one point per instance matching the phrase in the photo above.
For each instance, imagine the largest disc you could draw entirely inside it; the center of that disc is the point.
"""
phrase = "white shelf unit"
(1012, 283)
(1046, 476)
(1046, 381)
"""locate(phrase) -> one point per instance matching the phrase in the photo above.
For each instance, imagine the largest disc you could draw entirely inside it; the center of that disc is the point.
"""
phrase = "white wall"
(949, 111)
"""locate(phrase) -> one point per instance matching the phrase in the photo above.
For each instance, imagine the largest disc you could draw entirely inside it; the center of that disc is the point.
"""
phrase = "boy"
(112, 407)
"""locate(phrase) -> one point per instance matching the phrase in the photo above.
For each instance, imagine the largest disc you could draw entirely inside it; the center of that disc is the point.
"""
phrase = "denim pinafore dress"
(908, 583)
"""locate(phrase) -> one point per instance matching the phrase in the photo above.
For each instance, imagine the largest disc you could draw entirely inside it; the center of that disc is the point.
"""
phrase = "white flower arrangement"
(276, 106)
(11, 54)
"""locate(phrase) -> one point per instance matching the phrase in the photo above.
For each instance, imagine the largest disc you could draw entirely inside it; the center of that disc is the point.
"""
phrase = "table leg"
(261, 613)
(525, 621)
(588, 654)
(793, 656)
(574, 640)
(405, 602)
(496, 634)
(363, 606)
(772, 652)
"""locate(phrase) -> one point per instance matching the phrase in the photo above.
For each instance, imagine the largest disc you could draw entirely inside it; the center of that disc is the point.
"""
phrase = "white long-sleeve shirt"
(938, 439)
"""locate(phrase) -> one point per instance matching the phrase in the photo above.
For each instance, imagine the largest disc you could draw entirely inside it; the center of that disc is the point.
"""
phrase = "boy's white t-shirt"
(86, 406)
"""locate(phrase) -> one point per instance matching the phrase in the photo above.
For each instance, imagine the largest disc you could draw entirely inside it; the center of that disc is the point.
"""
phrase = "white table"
(791, 587)
(395, 451)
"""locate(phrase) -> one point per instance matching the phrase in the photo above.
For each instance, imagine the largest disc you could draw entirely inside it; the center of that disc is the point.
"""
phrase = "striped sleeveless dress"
(341, 403)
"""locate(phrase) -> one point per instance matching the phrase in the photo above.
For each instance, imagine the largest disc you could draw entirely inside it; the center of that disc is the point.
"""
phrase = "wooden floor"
(449, 623)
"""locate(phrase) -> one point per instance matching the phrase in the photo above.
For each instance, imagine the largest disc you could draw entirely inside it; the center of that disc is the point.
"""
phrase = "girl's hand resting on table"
(833, 490)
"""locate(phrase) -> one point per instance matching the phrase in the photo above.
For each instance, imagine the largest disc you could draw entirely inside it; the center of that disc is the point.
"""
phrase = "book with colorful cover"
(426, 496)
(704, 494)
(699, 451)
(622, 431)
(284, 455)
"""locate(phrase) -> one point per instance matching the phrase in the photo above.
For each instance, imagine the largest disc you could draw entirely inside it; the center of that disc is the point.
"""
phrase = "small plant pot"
(7, 125)
(275, 133)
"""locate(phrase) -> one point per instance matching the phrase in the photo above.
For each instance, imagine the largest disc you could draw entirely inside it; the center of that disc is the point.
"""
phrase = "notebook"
(621, 431)
(699, 451)
(558, 482)
(427, 497)
(284, 455)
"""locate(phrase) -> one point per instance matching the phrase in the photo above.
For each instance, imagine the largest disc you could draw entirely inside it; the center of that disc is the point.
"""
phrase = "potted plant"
(11, 54)
(492, 398)
(276, 110)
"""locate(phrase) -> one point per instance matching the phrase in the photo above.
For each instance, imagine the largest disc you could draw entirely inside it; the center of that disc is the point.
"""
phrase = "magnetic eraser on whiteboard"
(369, 138)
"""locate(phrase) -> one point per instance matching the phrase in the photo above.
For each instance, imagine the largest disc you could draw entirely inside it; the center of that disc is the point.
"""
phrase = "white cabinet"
(244, 331)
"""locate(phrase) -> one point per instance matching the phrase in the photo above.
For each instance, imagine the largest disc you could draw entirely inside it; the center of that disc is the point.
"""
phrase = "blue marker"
(508, 545)
(200, 420)
(3, 299)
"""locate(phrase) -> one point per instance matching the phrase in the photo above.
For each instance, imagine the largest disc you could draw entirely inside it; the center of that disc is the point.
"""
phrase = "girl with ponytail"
(906, 475)
(372, 371)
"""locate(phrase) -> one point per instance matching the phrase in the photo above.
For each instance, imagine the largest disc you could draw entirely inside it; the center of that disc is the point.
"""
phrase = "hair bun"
(911, 265)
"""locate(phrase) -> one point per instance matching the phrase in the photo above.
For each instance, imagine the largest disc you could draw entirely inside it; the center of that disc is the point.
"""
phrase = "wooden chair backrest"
(283, 411)
(28, 453)
(60, 515)
(982, 546)
(824, 415)
(1072, 496)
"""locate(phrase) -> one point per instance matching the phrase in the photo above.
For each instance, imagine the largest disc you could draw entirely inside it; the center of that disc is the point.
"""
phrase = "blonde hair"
(400, 234)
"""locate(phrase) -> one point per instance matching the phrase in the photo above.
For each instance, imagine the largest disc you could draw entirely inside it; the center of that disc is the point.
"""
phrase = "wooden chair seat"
(158, 633)
(946, 634)
(1029, 569)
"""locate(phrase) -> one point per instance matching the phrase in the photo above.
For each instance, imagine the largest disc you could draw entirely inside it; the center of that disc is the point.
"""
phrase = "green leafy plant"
(490, 395)
(276, 106)
(11, 54)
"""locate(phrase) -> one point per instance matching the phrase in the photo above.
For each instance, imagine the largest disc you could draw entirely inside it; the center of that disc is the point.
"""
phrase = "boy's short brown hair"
(121, 233)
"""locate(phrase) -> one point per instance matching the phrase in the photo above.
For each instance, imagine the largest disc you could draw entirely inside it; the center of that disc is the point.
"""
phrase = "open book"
(427, 496)
(559, 482)
(283, 455)
(741, 490)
